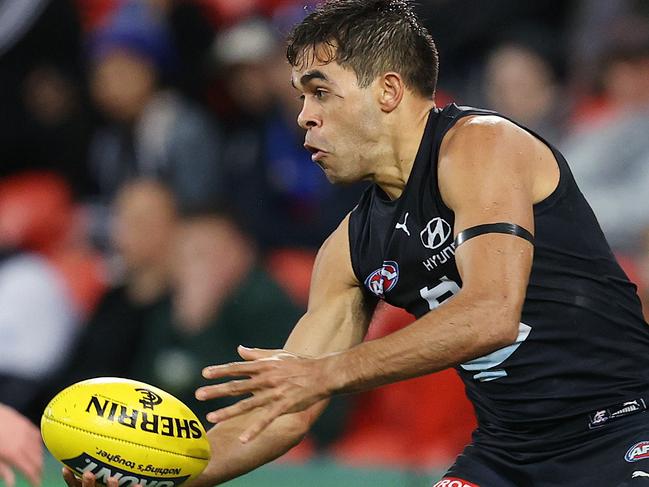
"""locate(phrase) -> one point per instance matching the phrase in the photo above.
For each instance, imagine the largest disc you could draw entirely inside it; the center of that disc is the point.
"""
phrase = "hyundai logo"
(435, 234)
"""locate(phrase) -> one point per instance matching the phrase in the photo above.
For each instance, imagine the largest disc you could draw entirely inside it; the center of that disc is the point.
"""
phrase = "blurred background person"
(40, 310)
(522, 81)
(221, 298)
(150, 129)
(38, 323)
(466, 31)
(143, 228)
(280, 193)
(45, 121)
(20, 448)
(609, 155)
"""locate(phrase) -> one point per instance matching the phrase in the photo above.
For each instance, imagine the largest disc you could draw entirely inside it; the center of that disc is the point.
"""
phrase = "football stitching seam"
(122, 440)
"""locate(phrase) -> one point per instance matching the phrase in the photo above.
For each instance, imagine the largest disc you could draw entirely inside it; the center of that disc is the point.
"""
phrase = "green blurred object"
(316, 473)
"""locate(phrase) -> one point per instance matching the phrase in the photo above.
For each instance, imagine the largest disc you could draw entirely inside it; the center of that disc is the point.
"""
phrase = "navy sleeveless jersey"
(582, 341)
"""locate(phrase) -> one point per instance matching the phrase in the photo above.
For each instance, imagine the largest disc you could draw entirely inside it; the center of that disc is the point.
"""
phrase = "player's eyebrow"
(309, 76)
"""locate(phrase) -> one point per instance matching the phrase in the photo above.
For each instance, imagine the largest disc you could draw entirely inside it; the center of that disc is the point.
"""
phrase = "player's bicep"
(487, 177)
(338, 314)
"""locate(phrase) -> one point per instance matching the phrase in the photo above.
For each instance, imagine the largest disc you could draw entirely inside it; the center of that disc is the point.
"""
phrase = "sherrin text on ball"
(126, 429)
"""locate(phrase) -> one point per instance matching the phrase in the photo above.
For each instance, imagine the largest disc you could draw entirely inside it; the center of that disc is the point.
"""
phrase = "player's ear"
(390, 90)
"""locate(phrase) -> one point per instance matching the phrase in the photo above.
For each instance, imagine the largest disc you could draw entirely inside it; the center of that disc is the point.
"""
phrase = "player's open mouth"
(316, 153)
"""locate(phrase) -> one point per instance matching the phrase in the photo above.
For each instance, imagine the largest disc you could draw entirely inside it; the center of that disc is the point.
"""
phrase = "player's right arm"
(337, 318)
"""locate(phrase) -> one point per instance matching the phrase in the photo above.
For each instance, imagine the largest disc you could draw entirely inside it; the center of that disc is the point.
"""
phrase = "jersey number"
(485, 367)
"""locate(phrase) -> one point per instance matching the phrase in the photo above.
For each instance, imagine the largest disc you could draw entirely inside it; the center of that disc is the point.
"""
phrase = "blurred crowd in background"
(157, 208)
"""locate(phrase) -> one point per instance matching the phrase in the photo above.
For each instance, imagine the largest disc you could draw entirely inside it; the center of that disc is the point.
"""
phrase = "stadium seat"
(37, 214)
(35, 211)
(292, 268)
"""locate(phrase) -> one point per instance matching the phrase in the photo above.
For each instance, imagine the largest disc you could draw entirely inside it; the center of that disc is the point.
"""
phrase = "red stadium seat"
(35, 211)
(292, 268)
(37, 214)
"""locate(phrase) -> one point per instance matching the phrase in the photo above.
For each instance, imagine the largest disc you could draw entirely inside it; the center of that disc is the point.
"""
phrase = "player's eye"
(319, 93)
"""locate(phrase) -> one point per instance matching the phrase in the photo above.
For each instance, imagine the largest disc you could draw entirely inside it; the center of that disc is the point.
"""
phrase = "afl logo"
(436, 233)
(384, 279)
(639, 451)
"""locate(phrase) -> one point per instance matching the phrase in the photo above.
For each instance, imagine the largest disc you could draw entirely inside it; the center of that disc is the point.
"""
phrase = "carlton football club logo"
(639, 451)
(436, 233)
(384, 279)
(149, 399)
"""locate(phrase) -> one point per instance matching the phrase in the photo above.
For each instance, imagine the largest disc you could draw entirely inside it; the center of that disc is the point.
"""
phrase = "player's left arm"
(491, 171)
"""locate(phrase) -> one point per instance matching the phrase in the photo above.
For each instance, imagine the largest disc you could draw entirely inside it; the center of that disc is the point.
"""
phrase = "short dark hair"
(370, 37)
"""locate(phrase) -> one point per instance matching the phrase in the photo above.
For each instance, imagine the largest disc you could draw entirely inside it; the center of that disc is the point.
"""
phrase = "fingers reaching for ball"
(69, 478)
(88, 480)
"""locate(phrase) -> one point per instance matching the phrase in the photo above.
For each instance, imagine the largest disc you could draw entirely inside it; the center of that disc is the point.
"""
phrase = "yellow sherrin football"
(126, 429)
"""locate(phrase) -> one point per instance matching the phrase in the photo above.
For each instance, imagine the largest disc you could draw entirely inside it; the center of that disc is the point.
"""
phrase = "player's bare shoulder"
(490, 146)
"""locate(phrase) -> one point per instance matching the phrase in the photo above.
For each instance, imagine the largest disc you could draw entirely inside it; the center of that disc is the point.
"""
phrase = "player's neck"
(407, 130)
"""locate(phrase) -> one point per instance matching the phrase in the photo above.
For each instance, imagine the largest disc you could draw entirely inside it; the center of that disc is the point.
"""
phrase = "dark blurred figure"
(142, 231)
(610, 154)
(465, 31)
(522, 80)
(150, 130)
(193, 35)
(44, 121)
(589, 39)
(283, 197)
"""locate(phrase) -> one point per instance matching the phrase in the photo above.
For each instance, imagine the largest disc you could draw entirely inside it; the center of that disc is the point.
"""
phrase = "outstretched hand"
(280, 383)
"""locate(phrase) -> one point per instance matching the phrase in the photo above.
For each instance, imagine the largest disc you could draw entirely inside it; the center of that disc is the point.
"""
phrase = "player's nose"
(307, 118)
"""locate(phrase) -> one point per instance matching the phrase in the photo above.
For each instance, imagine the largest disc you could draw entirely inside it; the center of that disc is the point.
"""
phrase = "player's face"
(340, 119)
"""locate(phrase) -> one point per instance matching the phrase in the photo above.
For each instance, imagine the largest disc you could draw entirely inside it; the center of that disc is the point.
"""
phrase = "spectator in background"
(48, 284)
(283, 196)
(20, 447)
(150, 131)
(222, 298)
(618, 192)
(143, 228)
(38, 324)
(467, 30)
(521, 80)
(44, 121)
